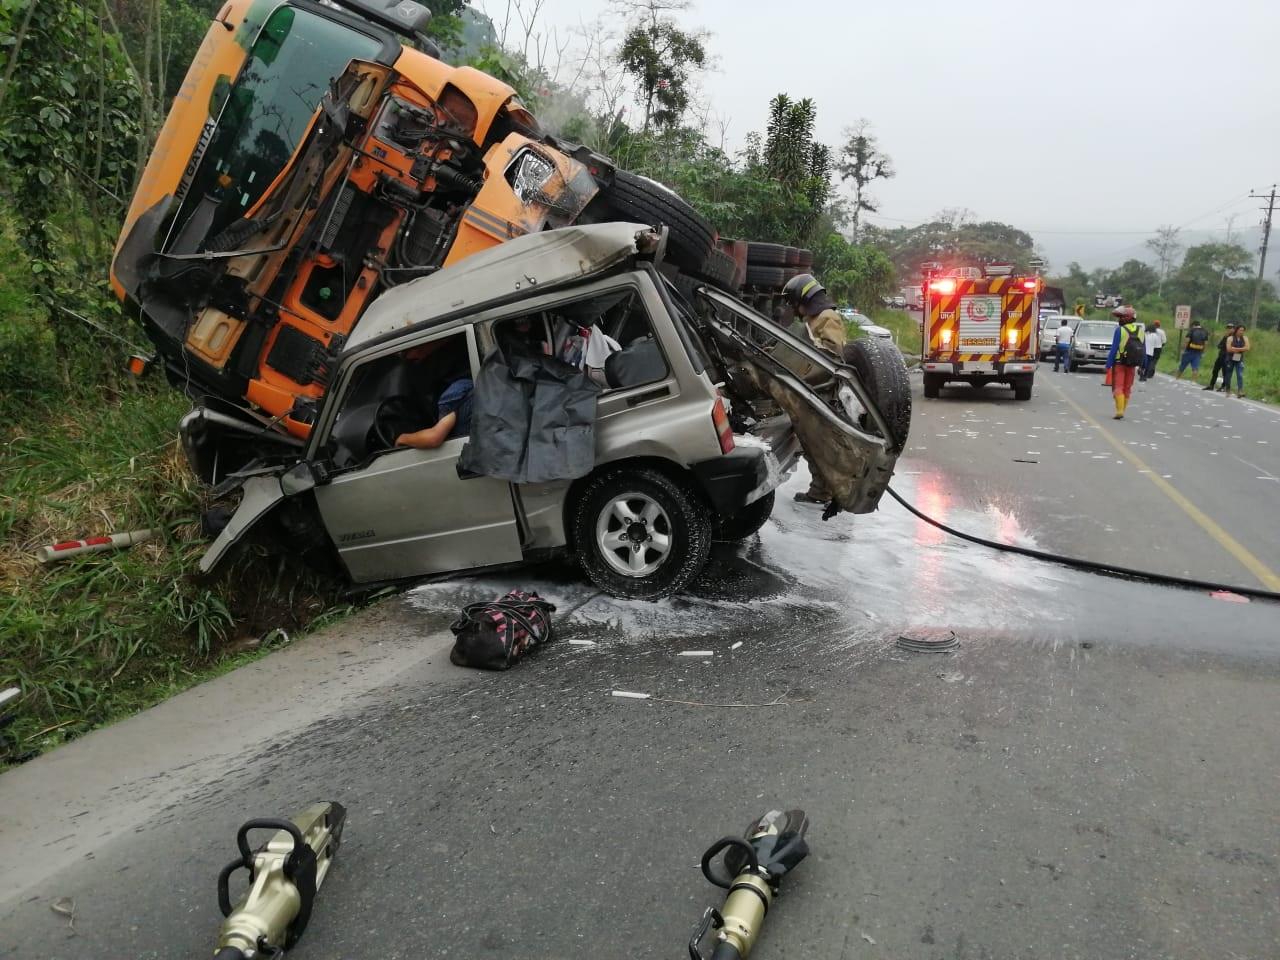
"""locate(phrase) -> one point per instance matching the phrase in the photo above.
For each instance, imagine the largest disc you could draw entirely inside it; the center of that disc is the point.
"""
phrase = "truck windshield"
(268, 110)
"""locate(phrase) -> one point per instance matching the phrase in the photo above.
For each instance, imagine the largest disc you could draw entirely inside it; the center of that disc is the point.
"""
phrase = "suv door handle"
(648, 395)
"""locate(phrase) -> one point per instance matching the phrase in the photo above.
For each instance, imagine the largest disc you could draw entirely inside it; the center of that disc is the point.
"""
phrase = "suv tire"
(632, 197)
(745, 522)
(618, 510)
(880, 365)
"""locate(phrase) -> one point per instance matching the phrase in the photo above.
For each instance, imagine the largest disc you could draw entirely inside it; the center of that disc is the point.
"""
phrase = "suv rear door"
(843, 433)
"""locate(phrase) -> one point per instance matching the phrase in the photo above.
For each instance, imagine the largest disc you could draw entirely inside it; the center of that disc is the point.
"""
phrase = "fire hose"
(286, 872)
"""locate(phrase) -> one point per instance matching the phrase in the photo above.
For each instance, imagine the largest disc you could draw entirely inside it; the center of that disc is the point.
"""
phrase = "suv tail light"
(724, 431)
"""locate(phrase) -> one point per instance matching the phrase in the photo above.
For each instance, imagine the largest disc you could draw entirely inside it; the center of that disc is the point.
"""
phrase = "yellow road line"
(1265, 574)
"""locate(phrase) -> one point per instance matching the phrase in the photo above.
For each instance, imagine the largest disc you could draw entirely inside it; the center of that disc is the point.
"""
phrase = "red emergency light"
(1030, 285)
(942, 286)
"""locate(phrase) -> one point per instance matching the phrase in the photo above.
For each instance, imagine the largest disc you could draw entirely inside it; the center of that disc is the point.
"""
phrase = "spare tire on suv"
(638, 199)
(881, 367)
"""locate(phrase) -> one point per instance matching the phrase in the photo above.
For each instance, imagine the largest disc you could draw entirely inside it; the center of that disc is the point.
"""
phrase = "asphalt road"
(1188, 483)
(1091, 774)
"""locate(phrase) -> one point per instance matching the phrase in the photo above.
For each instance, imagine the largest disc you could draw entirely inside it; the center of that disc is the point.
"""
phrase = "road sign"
(1182, 317)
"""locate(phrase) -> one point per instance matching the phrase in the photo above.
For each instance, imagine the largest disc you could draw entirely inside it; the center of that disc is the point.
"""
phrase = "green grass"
(94, 639)
(85, 450)
(1262, 365)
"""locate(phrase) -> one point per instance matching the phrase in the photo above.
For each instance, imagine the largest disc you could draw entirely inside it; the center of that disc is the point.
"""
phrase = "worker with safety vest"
(811, 302)
(1128, 354)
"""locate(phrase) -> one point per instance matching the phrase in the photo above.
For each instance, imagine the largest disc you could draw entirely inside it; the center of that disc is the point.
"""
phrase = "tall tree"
(663, 59)
(1166, 246)
(863, 162)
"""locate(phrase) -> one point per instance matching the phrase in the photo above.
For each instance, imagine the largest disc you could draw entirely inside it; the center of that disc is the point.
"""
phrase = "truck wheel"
(882, 369)
(632, 197)
(932, 386)
(770, 277)
(718, 269)
(1022, 388)
(766, 255)
(745, 522)
(640, 534)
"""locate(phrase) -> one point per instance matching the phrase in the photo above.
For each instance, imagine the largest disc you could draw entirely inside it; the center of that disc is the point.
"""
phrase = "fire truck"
(980, 325)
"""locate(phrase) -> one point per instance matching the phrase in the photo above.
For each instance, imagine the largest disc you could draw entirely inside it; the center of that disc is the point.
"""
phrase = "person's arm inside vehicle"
(431, 437)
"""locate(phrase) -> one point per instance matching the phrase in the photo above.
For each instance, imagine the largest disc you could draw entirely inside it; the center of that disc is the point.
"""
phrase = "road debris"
(696, 653)
(736, 645)
(54, 552)
(630, 695)
(929, 641)
(65, 906)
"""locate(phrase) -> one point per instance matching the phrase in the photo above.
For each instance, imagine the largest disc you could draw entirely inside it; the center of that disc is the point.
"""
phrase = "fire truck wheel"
(932, 386)
(882, 369)
(1022, 389)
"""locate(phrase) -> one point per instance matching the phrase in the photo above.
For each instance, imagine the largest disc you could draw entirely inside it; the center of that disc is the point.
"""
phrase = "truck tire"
(639, 534)
(793, 258)
(718, 269)
(766, 255)
(769, 277)
(806, 260)
(1022, 388)
(632, 197)
(745, 522)
(880, 366)
(932, 385)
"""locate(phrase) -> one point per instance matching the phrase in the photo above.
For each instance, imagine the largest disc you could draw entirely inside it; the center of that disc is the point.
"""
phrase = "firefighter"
(811, 302)
(1128, 353)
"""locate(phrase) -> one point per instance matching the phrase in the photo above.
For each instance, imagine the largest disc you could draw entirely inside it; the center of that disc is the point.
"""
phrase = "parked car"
(1049, 324)
(899, 303)
(869, 326)
(706, 407)
(1092, 342)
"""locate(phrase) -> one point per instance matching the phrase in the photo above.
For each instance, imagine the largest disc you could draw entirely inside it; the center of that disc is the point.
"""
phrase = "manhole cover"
(929, 641)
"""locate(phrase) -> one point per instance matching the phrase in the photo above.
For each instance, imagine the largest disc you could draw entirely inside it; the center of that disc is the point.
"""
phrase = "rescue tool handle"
(246, 856)
(713, 851)
(229, 953)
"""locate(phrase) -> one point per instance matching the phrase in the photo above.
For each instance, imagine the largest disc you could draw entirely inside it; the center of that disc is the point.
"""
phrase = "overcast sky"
(1084, 122)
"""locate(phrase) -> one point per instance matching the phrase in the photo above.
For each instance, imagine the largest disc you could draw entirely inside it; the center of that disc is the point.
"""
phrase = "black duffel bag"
(494, 634)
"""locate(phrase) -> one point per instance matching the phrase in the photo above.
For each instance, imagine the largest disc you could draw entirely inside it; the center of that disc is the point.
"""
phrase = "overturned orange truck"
(319, 154)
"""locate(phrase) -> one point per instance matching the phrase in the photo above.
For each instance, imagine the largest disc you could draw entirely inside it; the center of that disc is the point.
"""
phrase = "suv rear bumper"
(733, 480)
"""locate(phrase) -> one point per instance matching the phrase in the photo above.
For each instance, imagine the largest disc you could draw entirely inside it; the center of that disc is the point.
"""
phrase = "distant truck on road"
(981, 330)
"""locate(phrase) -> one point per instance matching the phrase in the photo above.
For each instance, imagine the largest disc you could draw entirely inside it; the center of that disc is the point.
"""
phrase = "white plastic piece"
(697, 653)
(736, 645)
(629, 695)
(582, 643)
(75, 548)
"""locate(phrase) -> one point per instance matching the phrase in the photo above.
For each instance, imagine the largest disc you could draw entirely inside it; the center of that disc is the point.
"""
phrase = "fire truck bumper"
(979, 368)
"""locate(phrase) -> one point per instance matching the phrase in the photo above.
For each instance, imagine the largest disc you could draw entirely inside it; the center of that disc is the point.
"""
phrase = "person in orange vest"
(1128, 353)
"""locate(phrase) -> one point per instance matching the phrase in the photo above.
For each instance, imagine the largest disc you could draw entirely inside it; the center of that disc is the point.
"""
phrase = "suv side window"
(609, 335)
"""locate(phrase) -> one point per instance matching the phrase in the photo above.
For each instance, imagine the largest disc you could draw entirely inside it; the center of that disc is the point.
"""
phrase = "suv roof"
(520, 267)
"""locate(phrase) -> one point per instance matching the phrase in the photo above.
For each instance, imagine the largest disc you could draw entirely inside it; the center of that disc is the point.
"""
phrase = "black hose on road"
(1089, 566)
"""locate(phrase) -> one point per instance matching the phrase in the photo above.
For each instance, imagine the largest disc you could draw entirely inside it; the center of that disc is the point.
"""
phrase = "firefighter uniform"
(827, 331)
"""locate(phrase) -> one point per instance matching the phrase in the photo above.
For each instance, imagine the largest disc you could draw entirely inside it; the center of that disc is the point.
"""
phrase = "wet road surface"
(1188, 483)
(1091, 774)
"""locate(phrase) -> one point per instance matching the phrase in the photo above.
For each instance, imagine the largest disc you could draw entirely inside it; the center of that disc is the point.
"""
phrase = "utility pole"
(1262, 254)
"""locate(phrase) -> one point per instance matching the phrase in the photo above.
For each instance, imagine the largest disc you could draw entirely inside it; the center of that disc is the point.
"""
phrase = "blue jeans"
(1062, 357)
(1236, 366)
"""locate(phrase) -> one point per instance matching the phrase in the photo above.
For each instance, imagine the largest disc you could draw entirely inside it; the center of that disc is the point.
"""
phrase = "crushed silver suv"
(708, 407)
